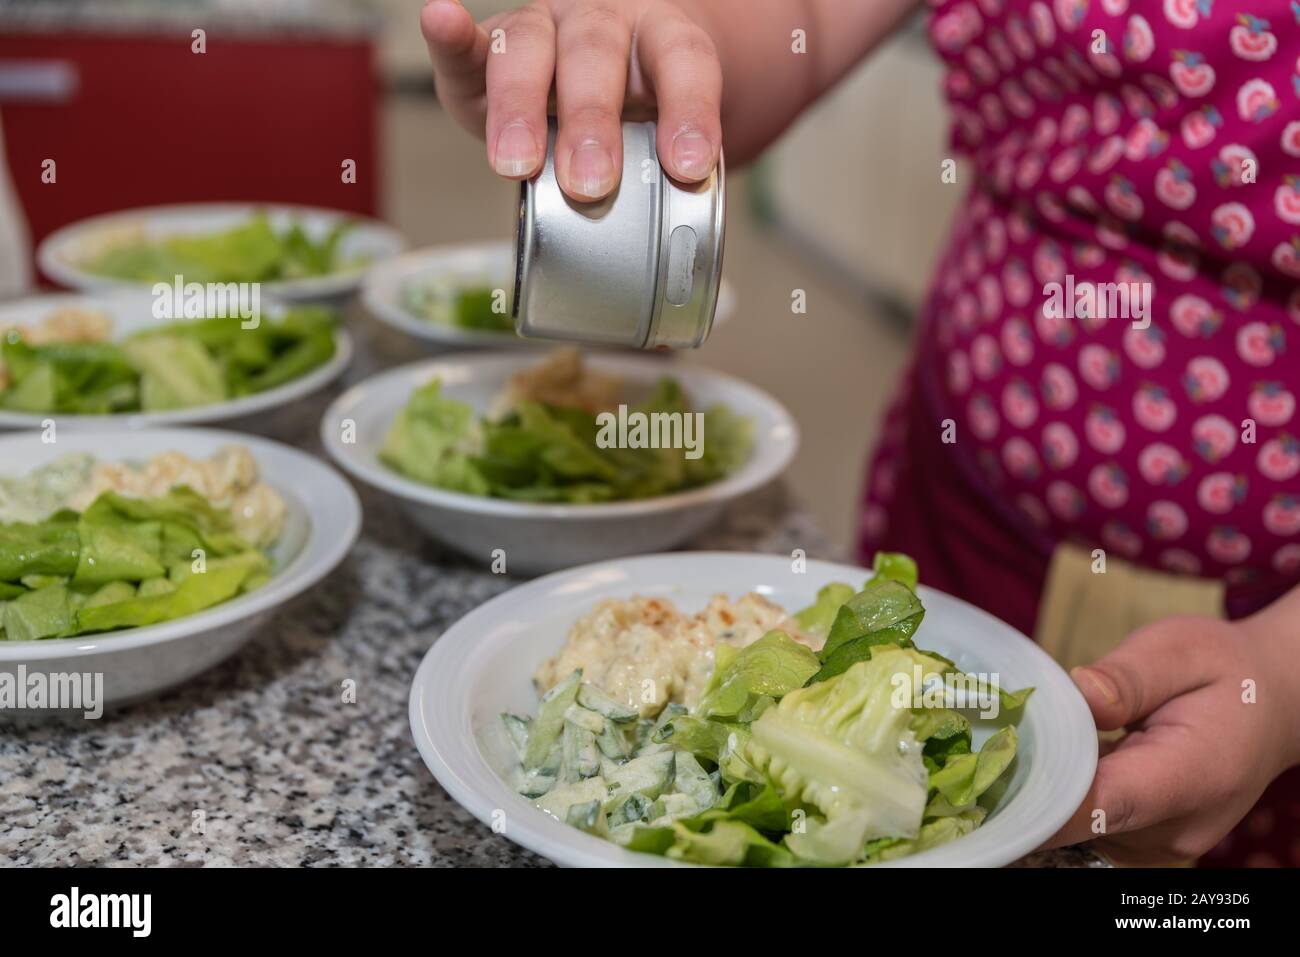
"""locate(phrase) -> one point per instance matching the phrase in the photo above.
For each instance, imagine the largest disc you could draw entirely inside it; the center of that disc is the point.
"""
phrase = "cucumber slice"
(648, 743)
(534, 784)
(611, 741)
(670, 807)
(581, 757)
(629, 810)
(554, 758)
(550, 719)
(587, 720)
(589, 696)
(608, 767)
(650, 776)
(588, 817)
(558, 801)
(693, 781)
(517, 731)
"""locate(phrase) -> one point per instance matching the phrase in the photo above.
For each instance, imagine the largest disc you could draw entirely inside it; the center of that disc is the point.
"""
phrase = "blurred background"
(847, 207)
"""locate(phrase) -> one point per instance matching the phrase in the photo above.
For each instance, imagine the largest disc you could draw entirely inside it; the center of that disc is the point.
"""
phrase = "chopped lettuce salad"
(249, 252)
(121, 563)
(172, 366)
(790, 757)
(464, 305)
(547, 451)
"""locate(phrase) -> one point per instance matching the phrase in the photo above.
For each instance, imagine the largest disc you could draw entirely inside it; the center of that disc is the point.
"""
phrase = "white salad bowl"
(323, 519)
(483, 666)
(131, 311)
(63, 253)
(461, 264)
(538, 537)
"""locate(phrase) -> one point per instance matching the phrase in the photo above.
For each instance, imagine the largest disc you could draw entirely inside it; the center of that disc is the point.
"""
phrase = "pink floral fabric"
(1152, 141)
(1113, 141)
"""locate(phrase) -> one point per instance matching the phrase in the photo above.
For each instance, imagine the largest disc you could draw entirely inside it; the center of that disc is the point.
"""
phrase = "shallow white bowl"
(61, 254)
(483, 665)
(543, 537)
(131, 311)
(323, 519)
(489, 263)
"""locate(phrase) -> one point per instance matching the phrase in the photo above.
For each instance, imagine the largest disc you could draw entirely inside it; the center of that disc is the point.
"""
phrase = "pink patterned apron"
(1148, 144)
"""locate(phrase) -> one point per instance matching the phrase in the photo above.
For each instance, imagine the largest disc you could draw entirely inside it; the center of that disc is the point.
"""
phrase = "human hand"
(604, 56)
(1211, 716)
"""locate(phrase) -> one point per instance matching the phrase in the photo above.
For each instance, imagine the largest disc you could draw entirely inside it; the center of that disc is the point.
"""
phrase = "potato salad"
(646, 654)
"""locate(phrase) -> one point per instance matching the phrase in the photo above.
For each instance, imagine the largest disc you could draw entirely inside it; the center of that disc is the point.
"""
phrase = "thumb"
(1101, 694)
(1153, 665)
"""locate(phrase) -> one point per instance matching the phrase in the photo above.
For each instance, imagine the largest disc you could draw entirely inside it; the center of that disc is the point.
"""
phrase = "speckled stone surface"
(259, 761)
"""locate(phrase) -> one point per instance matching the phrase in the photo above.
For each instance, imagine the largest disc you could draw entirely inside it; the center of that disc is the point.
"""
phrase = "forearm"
(765, 82)
(1277, 630)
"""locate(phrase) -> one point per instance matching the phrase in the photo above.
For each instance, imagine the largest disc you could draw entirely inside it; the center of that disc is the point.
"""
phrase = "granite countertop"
(260, 750)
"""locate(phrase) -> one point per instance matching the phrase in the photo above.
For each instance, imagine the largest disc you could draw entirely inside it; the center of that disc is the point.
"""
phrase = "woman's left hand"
(1212, 711)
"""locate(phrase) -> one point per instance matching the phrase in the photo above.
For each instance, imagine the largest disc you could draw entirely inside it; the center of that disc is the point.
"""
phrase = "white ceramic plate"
(131, 312)
(483, 665)
(465, 264)
(61, 254)
(543, 537)
(323, 519)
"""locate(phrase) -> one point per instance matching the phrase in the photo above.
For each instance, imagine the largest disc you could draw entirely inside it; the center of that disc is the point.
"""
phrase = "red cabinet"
(138, 120)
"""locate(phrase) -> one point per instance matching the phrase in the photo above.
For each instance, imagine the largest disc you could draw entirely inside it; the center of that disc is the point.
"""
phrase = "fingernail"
(591, 169)
(517, 153)
(1097, 681)
(692, 154)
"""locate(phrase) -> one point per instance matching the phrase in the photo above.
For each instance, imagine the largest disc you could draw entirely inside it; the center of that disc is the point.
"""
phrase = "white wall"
(858, 176)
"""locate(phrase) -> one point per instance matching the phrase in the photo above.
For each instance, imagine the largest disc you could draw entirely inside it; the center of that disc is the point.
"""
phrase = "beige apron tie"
(1085, 613)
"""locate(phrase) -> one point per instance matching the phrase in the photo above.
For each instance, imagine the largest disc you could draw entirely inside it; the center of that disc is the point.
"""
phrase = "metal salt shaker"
(640, 268)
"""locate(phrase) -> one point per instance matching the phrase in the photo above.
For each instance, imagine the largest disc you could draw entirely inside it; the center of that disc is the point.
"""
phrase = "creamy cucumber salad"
(745, 736)
(458, 302)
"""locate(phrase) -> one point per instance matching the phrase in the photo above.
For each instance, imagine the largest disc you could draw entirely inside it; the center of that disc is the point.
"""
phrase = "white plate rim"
(330, 538)
(538, 832)
(768, 459)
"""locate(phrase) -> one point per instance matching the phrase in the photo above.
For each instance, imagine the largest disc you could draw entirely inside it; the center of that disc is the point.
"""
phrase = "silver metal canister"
(640, 268)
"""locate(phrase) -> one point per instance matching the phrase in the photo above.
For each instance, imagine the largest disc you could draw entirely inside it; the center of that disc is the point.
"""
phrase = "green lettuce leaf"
(885, 612)
(897, 567)
(549, 453)
(842, 748)
(817, 618)
(932, 834)
(175, 373)
(964, 777)
(44, 548)
(43, 613)
(431, 440)
(223, 579)
(118, 552)
(771, 667)
(251, 251)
